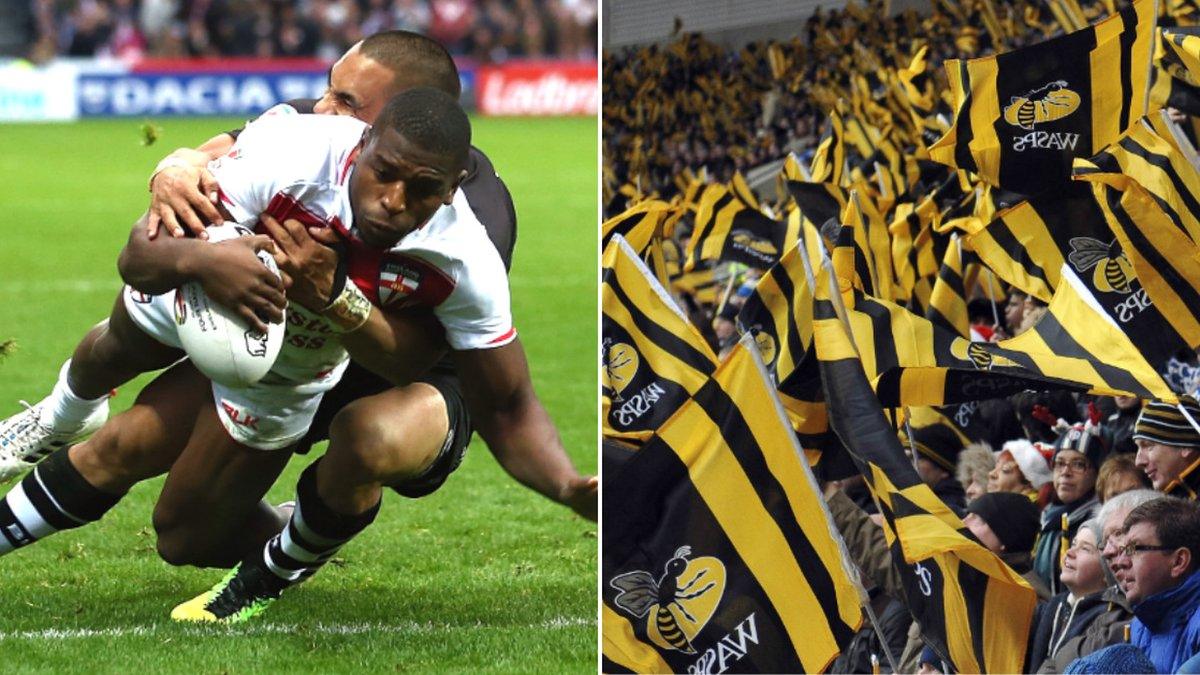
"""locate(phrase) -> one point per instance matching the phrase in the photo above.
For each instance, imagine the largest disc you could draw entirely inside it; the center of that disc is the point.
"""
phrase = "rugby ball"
(216, 339)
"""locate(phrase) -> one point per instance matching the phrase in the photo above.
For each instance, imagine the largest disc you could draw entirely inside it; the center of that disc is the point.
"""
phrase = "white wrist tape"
(349, 310)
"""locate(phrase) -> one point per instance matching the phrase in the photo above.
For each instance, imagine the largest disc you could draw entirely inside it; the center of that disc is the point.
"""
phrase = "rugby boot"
(243, 594)
(30, 435)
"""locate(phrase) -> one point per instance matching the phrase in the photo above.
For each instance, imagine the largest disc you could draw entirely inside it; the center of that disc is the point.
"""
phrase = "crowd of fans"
(693, 103)
(1093, 500)
(485, 30)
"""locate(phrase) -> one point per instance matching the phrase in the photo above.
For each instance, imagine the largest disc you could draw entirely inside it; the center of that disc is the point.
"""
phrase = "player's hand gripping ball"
(219, 342)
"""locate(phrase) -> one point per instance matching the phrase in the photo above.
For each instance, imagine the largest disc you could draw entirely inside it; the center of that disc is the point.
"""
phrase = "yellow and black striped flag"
(1174, 83)
(819, 202)
(1031, 244)
(1167, 262)
(948, 301)
(1077, 340)
(728, 229)
(910, 361)
(1022, 116)
(741, 188)
(1183, 43)
(1154, 163)
(652, 357)
(852, 259)
(637, 224)
(973, 610)
(829, 159)
(718, 551)
(912, 251)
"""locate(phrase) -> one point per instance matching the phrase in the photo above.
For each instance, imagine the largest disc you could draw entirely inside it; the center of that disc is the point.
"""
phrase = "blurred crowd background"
(485, 30)
(694, 103)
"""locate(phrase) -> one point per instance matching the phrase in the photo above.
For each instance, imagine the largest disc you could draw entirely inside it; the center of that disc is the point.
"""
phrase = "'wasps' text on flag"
(718, 550)
(1030, 244)
(1020, 117)
(1167, 262)
(651, 357)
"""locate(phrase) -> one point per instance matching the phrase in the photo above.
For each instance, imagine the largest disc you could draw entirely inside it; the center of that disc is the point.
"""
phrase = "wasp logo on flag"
(397, 281)
(1113, 274)
(1045, 104)
(620, 366)
(766, 347)
(678, 604)
(974, 352)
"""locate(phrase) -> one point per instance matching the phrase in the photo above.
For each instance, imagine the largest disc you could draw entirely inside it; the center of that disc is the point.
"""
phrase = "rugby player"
(581, 497)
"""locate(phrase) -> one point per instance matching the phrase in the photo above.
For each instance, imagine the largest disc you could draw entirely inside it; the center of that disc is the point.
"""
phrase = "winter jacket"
(1108, 628)
(894, 620)
(1167, 625)
(950, 491)
(1118, 428)
(1060, 619)
(1051, 542)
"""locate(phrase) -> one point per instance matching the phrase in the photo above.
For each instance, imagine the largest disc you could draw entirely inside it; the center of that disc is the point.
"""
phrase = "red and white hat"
(1032, 461)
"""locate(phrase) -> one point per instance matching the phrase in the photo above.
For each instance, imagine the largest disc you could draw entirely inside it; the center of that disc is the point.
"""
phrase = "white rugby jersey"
(298, 166)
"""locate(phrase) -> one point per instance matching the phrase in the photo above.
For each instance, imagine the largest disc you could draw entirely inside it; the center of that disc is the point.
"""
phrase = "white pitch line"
(282, 629)
(23, 287)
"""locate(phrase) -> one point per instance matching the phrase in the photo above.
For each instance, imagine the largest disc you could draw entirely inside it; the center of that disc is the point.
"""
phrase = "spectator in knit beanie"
(937, 449)
(1077, 455)
(1124, 658)
(1168, 447)
(1007, 524)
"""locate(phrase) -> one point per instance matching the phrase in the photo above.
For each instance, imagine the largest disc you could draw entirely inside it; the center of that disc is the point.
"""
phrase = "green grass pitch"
(482, 576)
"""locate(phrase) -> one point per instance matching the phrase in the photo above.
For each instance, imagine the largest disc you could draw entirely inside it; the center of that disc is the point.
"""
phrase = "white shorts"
(271, 414)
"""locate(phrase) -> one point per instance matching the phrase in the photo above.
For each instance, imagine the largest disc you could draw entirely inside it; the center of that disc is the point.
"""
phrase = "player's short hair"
(431, 119)
(421, 59)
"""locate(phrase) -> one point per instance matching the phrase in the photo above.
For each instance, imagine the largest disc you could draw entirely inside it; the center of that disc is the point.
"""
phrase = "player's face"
(358, 86)
(396, 187)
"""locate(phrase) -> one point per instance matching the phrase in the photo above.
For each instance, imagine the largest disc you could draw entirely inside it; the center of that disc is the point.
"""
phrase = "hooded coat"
(1166, 626)
(1058, 620)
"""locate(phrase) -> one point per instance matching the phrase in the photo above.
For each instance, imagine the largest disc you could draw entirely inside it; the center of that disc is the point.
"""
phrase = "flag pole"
(992, 296)
(1188, 417)
(887, 650)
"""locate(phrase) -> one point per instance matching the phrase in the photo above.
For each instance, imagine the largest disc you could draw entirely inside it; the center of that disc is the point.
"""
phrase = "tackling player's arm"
(228, 271)
(397, 348)
(508, 415)
(183, 189)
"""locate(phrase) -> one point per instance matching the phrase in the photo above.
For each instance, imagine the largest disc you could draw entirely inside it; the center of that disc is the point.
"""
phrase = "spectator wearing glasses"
(1109, 627)
(1077, 454)
(1158, 554)
(1168, 447)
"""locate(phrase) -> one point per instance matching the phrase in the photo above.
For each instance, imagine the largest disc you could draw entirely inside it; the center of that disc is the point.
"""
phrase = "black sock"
(314, 533)
(52, 497)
